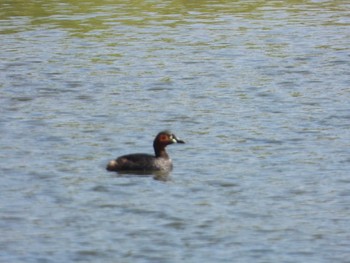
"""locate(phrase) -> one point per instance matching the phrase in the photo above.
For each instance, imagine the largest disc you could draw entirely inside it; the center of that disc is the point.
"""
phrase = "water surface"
(259, 90)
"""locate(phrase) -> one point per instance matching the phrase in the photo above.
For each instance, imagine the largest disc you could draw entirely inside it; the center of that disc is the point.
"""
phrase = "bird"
(142, 162)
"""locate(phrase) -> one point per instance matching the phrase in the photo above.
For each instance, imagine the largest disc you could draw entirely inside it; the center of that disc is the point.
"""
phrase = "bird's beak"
(177, 140)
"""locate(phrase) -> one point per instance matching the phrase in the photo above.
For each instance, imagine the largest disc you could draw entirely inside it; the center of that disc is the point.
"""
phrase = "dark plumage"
(147, 162)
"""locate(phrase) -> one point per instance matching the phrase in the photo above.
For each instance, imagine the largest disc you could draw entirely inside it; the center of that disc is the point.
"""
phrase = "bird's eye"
(164, 138)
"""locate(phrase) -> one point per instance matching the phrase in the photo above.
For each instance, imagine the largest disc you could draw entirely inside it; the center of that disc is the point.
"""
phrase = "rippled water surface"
(259, 90)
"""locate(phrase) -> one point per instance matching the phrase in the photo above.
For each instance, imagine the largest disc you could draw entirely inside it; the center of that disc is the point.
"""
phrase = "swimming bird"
(143, 162)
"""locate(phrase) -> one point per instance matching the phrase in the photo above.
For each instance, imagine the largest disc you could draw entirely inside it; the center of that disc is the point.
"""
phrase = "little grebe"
(147, 162)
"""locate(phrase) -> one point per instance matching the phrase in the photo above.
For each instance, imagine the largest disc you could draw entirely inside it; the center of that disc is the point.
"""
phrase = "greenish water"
(259, 90)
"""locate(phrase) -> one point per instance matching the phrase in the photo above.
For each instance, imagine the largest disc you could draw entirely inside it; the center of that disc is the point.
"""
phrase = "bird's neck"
(160, 151)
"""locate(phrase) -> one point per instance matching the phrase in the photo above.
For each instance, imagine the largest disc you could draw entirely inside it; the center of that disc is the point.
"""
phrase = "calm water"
(259, 90)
